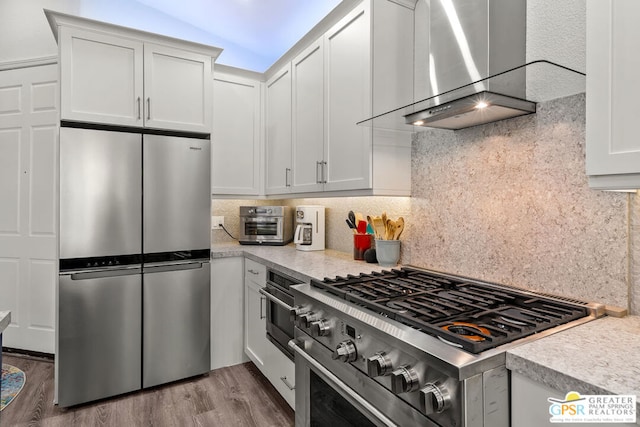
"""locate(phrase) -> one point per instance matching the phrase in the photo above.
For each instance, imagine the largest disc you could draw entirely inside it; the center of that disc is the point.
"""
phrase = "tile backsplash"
(506, 202)
(338, 235)
(509, 202)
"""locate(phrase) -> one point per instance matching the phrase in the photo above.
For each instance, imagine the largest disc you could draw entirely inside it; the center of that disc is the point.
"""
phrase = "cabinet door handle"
(287, 383)
(324, 172)
(262, 315)
(139, 108)
(318, 173)
(253, 272)
(148, 108)
(287, 172)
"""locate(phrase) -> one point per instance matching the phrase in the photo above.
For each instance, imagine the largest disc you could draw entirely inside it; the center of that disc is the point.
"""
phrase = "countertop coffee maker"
(309, 234)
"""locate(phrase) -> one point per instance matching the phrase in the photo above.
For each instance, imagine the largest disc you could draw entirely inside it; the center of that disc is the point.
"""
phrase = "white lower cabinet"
(256, 343)
(274, 365)
(281, 372)
(227, 296)
(530, 405)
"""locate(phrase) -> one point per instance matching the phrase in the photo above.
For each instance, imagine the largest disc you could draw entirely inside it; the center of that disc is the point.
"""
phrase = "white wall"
(24, 30)
(556, 31)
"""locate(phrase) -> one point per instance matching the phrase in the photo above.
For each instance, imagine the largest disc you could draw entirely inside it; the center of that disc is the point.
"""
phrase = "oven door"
(279, 325)
(330, 392)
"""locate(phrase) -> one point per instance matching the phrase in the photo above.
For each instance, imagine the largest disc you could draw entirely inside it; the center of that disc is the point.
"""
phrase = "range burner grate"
(473, 315)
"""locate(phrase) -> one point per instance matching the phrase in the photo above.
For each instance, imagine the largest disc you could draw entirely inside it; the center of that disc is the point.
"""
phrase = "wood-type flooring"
(234, 396)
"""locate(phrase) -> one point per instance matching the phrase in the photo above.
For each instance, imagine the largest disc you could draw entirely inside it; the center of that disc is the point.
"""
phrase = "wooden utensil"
(384, 221)
(391, 229)
(399, 228)
(379, 227)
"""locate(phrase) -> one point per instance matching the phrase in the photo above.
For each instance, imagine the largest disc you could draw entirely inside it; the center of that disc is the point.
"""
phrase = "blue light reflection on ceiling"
(253, 33)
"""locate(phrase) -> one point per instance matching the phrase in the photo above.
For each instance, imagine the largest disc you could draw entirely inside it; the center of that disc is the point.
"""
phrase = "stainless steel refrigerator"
(134, 284)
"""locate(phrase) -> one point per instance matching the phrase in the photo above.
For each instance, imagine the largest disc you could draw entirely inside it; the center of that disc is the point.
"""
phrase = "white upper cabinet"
(236, 135)
(308, 119)
(362, 65)
(120, 76)
(177, 88)
(101, 78)
(278, 132)
(613, 90)
(348, 148)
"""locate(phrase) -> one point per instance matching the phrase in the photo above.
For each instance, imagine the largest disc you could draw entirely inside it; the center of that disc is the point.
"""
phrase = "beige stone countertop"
(598, 357)
(298, 264)
(5, 319)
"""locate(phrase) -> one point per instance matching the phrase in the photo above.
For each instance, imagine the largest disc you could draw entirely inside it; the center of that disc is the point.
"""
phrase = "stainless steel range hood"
(472, 110)
(470, 68)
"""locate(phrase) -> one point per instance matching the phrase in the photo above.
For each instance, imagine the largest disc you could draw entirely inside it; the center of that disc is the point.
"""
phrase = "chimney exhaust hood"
(472, 110)
(469, 70)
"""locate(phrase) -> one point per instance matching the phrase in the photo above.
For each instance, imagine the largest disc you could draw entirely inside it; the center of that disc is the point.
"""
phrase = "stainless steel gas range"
(412, 347)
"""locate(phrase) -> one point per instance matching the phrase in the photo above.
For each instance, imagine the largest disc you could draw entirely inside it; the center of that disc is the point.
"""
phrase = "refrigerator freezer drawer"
(100, 335)
(176, 319)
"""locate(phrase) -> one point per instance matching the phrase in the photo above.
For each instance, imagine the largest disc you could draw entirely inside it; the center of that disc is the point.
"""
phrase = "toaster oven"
(266, 225)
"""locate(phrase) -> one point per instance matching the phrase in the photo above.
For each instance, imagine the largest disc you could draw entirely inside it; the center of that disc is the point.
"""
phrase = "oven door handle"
(342, 386)
(276, 300)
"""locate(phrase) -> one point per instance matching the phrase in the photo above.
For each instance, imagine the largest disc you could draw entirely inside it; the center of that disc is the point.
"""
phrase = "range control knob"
(435, 398)
(295, 312)
(378, 365)
(346, 352)
(320, 328)
(404, 379)
(304, 320)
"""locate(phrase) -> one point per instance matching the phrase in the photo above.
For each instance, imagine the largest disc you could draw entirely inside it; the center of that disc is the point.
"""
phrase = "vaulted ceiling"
(253, 33)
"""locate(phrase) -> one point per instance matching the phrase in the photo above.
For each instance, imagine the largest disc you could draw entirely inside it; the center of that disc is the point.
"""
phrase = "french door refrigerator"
(134, 284)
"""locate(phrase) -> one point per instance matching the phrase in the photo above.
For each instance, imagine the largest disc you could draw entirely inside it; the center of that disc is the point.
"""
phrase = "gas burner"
(469, 331)
(515, 322)
(395, 306)
(449, 342)
(469, 313)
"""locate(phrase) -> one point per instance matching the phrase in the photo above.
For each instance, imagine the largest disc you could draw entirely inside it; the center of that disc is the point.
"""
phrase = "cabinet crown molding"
(57, 19)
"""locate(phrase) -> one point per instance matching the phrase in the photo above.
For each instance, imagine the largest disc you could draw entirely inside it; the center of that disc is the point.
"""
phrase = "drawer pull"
(287, 383)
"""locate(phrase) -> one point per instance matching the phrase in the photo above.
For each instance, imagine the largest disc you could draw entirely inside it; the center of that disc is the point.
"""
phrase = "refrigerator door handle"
(96, 274)
(173, 267)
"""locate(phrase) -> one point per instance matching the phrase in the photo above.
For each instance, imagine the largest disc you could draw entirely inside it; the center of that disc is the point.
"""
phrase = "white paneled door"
(28, 205)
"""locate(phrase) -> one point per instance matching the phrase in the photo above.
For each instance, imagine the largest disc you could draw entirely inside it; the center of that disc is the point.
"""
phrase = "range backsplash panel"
(509, 202)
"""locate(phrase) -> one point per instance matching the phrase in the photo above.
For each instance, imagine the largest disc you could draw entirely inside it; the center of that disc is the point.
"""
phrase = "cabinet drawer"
(255, 272)
(281, 372)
